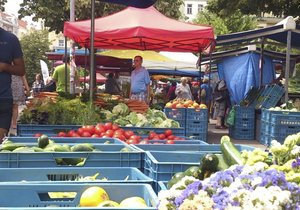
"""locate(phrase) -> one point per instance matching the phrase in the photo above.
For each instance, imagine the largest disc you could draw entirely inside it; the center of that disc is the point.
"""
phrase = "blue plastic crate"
(170, 147)
(248, 123)
(285, 118)
(178, 114)
(198, 136)
(264, 138)
(31, 195)
(242, 133)
(196, 127)
(273, 97)
(280, 132)
(265, 126)
(181, 142)
(196, 115)
(108, 156)
(67, 140)
(146, 130)
(265, 114)
(244, 112)
(162, 165)
(160, 185)
(50, 130)
(66, 175)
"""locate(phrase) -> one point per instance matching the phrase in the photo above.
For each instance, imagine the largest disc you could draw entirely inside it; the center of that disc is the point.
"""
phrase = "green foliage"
(236, 22)
(279, 8)
(63, 112)
(55, 13)
(2, 3)
(34, 45)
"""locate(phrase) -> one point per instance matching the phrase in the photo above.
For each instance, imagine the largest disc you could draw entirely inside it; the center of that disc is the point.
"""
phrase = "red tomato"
(109, 133)
(119, 136)
(135, 137)
(38, 134)
(171, 137)
(151, 135)
(80, 131)
(86, 134)
(70, 133)
(118, 132)
(89, 128)
(168, 132)
(144, 142)
(108, 126)
(62, 134)
(75, 135)
(169, 142)
(99, 129)
(95, 136)
(161, 136)
(128, 133)
(156, 137)
(132, 141)
(115, 127)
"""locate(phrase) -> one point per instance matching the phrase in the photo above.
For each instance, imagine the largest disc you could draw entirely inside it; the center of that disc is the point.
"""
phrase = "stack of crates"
(244, 124)
(195, 121)
(277, 125)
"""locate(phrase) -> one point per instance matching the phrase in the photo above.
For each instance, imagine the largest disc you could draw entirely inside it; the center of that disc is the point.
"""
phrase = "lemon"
(93, 196)
(133, 202)
(108, 203)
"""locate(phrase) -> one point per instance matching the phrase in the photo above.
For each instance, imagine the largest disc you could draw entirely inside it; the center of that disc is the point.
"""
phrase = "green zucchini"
(230, 153)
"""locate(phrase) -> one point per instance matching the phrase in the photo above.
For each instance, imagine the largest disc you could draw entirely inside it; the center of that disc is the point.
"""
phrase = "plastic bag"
(231, 117)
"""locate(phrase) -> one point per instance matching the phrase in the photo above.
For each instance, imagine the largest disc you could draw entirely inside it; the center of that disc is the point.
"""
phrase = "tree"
(34, 45)
(2, 3)
(223, 25)
(55, 13)
(279, 8)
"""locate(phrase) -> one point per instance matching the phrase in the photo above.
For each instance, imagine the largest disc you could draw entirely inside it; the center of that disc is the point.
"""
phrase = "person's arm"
(27, 88)
(18, 67)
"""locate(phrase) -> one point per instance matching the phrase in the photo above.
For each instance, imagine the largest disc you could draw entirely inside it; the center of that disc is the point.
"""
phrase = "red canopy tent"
(142, 29)
(99, 78)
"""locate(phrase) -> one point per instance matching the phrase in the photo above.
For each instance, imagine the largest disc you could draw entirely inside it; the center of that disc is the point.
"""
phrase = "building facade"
(192, 7)
(12, 24)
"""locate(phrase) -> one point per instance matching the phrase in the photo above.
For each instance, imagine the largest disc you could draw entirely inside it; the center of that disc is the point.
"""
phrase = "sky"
(12, 7)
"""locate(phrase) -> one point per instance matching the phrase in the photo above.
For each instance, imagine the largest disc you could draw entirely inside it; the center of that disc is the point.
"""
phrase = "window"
(61, 43)
(200, 7)
(189, 9)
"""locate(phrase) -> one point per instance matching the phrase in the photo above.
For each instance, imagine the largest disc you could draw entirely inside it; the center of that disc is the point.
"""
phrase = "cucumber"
(222, 164)
(230, 153)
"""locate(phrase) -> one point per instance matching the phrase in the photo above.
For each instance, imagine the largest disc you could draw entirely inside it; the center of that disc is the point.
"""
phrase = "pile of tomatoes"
(110, 130)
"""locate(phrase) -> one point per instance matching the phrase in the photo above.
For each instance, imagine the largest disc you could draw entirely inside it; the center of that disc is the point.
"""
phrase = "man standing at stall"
(11, 63)
(140, 81)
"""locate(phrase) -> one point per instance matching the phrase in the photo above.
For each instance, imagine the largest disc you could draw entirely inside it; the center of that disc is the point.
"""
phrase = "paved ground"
(214, 136)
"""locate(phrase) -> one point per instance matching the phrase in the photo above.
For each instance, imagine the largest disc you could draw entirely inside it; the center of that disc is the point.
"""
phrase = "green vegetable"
(222, 164)
(230, 152)
(43, 141)
(209, 162)
(121, 109)
(82, 148)
(194, 171)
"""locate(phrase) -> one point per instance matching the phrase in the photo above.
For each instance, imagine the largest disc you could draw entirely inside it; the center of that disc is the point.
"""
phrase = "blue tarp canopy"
(242, 72)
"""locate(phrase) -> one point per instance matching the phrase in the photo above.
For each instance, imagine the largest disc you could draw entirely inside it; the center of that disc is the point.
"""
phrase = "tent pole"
(261, 62)
(92, 63)
(287, 66)
(66, 65)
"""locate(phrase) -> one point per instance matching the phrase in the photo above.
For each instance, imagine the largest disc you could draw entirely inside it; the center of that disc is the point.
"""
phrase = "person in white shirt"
(183, 90)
